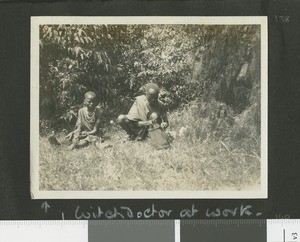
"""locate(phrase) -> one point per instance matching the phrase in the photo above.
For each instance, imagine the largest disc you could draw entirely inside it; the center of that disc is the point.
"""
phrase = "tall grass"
(207, 154)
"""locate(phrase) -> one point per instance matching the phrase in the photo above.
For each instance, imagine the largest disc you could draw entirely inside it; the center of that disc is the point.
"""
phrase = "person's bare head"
(90, 100)
(152, 91)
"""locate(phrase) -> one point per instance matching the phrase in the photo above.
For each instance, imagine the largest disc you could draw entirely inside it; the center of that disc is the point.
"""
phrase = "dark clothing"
(87, 121)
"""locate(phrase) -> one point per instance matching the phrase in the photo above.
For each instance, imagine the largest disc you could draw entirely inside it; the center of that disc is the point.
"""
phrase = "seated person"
(87, 129)
(139, 118)
(88, 123)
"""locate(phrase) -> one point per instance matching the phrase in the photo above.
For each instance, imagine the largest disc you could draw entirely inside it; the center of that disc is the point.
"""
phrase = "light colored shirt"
(141, 109)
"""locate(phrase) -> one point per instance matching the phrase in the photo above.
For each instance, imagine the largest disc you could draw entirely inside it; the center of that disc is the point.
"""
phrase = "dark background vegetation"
(189, 62)
(283, 100)
(198, 67)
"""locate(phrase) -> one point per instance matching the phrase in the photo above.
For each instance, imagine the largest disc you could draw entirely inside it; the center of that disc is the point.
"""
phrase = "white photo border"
(34, 107)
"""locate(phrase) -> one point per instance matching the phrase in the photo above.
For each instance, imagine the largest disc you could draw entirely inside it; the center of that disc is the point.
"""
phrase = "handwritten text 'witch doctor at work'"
(124, 212)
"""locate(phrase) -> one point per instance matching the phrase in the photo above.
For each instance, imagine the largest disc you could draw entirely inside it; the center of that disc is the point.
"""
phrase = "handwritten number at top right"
(282, 19)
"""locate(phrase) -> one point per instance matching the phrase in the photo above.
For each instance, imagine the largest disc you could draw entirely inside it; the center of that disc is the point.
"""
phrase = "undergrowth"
(208, 153)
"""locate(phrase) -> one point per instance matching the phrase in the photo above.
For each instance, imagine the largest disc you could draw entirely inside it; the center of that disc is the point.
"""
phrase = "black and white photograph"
(148, 107)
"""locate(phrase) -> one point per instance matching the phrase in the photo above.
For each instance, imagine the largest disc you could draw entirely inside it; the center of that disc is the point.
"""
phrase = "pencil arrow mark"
(45, 206)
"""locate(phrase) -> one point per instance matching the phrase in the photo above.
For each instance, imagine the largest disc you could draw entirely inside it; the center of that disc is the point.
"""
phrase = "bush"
(189, 62)
(200, 122)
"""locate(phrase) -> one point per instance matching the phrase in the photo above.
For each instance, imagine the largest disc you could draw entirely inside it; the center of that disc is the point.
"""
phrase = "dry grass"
(191, 164)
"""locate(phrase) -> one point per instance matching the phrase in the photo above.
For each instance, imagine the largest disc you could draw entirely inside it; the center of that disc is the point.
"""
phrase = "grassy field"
(191, 164)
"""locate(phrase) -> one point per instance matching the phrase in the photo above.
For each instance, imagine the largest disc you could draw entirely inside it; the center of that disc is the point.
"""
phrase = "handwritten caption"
(154, 212)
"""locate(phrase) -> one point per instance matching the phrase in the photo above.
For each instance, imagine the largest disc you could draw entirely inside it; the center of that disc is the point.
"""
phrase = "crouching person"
(147, 115)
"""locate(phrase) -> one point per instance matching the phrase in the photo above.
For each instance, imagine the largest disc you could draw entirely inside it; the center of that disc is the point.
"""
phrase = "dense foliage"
(210, 81)
(202, 63)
